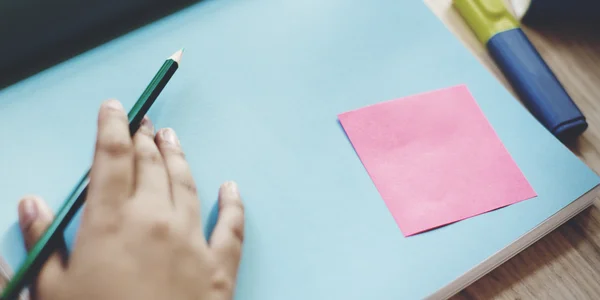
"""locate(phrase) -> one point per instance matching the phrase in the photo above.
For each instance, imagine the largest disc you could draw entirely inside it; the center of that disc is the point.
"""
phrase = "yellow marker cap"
(486, 17)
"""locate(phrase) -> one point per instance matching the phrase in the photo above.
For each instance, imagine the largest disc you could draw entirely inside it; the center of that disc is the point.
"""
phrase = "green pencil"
(53, 238)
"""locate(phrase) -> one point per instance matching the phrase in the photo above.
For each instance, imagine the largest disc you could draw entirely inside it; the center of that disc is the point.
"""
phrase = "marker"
(537, 86)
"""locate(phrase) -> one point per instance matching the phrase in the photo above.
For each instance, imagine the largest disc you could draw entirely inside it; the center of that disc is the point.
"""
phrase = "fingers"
(151, 174)
(111, 178)
(227, 238)
(34, 218)
(182, 185)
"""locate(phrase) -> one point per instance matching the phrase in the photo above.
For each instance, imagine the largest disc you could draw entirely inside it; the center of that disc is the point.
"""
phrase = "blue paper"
(256, 101)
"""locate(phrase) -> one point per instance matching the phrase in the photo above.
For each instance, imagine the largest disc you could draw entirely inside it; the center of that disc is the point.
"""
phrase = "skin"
(140, 235)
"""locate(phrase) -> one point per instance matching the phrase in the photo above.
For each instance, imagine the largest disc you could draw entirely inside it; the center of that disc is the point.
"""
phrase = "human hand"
(140, 235)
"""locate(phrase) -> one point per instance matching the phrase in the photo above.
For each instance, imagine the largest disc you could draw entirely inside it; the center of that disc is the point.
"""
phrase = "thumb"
(34, 218)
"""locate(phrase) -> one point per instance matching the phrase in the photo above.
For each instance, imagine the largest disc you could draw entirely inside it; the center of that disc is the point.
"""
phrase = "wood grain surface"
(566, 263)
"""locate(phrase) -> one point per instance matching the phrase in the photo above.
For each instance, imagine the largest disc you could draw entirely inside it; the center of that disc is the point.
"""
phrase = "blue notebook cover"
(256, 100)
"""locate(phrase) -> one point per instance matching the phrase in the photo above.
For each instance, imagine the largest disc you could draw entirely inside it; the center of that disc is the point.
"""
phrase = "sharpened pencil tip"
(177, 56)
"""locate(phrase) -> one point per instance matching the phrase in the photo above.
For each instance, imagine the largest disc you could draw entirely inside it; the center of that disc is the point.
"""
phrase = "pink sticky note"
(434, 158)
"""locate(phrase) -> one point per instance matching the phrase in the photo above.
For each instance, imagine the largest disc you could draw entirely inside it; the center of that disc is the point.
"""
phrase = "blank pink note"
(434, 158)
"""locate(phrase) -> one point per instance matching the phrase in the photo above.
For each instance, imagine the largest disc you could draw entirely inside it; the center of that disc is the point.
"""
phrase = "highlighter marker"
(537, 86)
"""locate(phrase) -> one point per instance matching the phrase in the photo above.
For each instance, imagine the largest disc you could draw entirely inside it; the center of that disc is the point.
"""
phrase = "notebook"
(256, 100)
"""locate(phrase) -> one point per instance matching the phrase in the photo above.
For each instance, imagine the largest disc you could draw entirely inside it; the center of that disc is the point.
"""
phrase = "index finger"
(112, 174)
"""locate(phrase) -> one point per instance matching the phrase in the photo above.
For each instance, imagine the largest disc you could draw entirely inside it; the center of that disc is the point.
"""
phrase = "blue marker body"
(536, 84)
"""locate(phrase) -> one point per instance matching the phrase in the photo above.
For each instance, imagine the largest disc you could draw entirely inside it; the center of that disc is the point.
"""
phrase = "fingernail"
(232, 188)
(114, 104)
(28, 212)
(147, 123)
(170, 137)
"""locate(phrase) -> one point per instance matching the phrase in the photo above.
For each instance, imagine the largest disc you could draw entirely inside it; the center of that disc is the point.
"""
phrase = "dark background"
(36, 34)
(561, 13)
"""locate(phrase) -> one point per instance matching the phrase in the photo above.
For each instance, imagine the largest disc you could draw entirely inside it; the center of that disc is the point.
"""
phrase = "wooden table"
(566, 263)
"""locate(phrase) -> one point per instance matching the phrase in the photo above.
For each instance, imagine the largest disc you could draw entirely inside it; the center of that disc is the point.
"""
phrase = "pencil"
(53, 237)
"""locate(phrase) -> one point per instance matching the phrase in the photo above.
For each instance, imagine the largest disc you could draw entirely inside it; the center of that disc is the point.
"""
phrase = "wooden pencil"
(53, 237)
